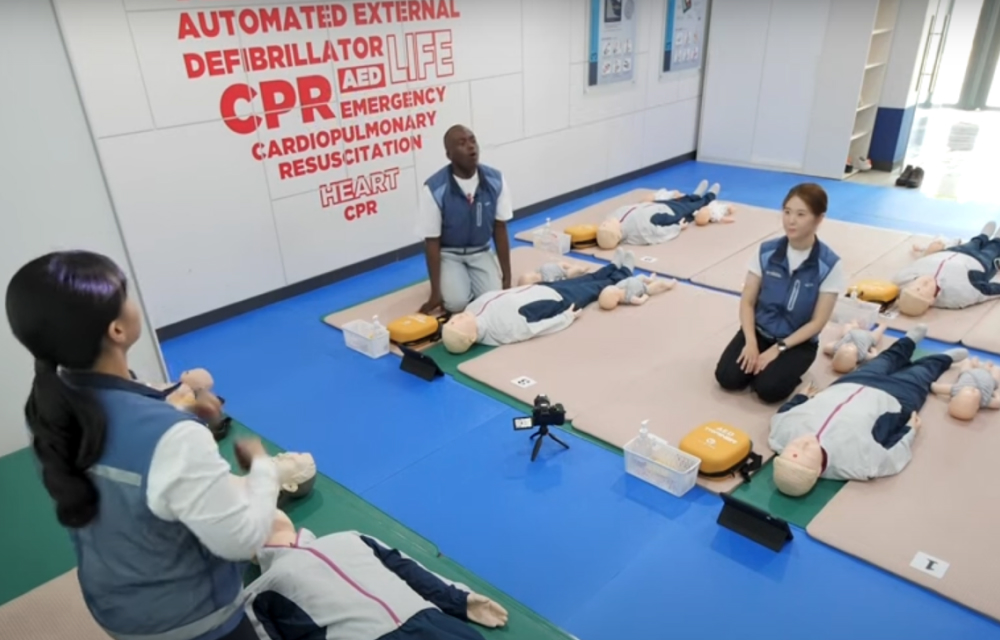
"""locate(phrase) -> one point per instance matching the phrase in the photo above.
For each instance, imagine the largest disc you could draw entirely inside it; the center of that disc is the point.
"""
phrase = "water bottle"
(376, 327)
(645, 445)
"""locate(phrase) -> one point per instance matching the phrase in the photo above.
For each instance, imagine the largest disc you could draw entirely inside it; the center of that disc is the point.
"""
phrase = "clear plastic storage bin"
(853, 309)
(369, 338)
(652, 459)
(551, 241)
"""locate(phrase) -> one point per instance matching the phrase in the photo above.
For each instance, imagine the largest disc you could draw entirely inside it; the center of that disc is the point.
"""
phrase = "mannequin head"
(803, 210)
(965, 404)
(609, 233)
(71, 310)
(916, 297)
(845, 358)
(610, 297)
(198, 379)
(459, 333)
(798, 467)
(295, 470)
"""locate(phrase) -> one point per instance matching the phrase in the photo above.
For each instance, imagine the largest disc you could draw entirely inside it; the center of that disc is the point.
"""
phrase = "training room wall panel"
(210, 221)
(52, 193)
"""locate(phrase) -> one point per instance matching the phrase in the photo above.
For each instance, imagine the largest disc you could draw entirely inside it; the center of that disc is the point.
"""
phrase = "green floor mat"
(34, 548)
(762, 493)
(38, 549)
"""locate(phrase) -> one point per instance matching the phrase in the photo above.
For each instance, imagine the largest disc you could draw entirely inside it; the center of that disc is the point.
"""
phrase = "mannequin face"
(916, 297)
(609, 234)
(294, 469)
(459, 333)
(799, 221)
(806, 451)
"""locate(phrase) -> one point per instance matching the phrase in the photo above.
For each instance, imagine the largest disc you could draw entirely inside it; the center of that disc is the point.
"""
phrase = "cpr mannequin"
(552, 272)
(635, 290)
(977, 387)
(862, 426)
(529, 311)
(714, 212)
(648, 223)
(855, 346)
(950, 275)
(351, 586)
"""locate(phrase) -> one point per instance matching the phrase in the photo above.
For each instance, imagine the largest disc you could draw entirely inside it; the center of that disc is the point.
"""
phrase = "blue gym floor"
(603, 555)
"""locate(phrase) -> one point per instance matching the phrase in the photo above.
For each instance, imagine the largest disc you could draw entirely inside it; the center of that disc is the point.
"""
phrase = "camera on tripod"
(544, 414)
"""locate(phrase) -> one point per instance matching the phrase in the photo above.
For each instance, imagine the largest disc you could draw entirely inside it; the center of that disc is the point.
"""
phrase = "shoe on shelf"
(863, 164)
(904, 177)
(916, 178)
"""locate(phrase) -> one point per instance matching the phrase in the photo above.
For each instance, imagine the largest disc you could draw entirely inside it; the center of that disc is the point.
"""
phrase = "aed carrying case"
(416, 329)
(582, 236)
(723, 450)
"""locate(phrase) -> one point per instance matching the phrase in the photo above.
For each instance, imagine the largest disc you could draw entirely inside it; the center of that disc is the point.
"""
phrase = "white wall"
(52, 193)
(209, 225)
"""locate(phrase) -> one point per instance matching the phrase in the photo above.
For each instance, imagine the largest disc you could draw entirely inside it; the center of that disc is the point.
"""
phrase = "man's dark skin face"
(462, 149)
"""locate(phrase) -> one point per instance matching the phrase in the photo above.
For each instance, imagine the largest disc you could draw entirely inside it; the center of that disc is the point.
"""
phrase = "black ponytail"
(59, 307)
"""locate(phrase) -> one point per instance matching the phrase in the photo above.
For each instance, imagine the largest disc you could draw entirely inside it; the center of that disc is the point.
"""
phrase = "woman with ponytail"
(161, 532)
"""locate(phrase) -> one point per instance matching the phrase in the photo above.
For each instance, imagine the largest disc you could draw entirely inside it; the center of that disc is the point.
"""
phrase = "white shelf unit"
(794, 86)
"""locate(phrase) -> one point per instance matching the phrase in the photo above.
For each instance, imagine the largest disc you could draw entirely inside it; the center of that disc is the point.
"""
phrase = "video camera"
(544, 414)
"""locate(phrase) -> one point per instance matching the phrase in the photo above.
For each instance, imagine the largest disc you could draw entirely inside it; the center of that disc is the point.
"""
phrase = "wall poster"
(612, 42)
(684, 43)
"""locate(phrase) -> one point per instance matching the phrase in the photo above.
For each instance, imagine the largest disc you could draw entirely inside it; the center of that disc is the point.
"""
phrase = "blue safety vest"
(464, 224)
(144, 578)
(787, 301)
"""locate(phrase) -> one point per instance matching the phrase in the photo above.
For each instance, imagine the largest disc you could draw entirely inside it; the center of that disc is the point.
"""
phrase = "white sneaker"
(989, 229)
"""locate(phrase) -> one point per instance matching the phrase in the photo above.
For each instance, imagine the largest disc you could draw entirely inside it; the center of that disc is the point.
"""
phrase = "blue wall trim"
(891, 134)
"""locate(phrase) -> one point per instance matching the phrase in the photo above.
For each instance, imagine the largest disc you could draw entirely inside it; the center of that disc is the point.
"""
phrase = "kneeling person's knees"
(773, 391)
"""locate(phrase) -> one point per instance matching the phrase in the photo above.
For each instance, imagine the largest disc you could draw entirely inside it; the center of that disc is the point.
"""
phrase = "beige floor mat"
(613, 369)
(857, 245)
(694, 250)
(53, 611)
(985, 335)
(940, 508)
(946, 325)
(408, 300)
(680, 393)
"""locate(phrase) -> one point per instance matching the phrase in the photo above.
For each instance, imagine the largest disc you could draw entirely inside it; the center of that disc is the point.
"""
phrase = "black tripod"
(543, 430)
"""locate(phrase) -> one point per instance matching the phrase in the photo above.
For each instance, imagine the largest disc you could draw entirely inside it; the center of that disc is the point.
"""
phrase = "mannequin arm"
(899, 455)
(994, 401)
(941, 388)
(453, 599)
(639, 299)
(828, 348)
(555, 323)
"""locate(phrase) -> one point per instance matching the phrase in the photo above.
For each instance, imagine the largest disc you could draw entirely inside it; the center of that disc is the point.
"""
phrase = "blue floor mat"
(700, 580)
(568, 535)
(548, 532)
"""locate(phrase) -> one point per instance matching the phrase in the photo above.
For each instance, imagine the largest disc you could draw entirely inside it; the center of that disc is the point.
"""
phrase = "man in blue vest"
(463, 207)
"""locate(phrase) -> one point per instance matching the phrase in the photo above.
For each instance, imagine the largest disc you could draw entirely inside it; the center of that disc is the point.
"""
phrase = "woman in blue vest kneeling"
(788, 297)
(160, 529)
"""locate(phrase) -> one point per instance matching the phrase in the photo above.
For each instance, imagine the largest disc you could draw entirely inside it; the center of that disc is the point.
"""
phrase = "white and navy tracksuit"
(349, 586)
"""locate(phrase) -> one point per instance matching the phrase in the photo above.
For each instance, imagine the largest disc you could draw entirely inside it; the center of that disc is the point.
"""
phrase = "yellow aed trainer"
(414, 329)
(880, 291)
(723, 450)
(582, 235)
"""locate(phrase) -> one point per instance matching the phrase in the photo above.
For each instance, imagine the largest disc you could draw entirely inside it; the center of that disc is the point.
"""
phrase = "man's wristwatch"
(781, 346)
